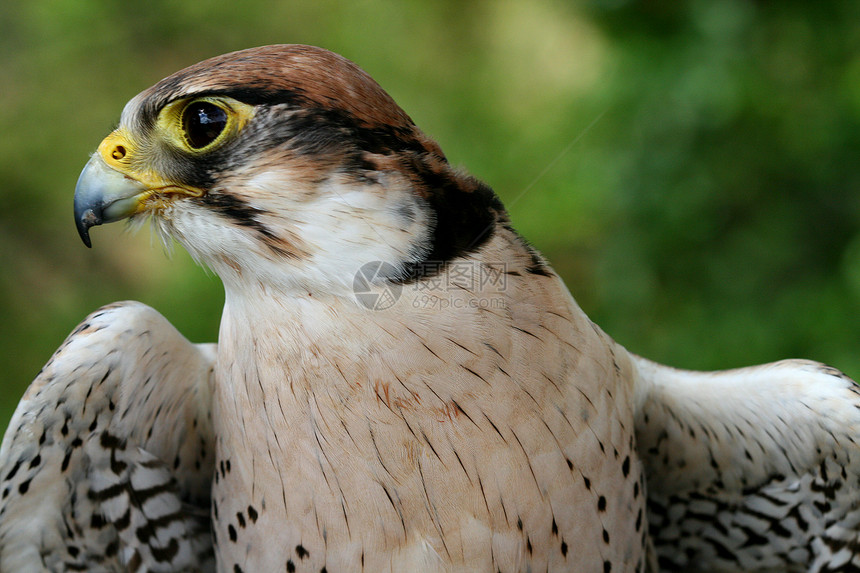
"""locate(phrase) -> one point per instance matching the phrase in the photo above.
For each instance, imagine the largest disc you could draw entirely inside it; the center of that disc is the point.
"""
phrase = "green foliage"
(690, 167)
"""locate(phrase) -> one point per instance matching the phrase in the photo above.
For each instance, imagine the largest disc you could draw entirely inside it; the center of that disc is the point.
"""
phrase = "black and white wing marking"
(107, 462)
(752, 469)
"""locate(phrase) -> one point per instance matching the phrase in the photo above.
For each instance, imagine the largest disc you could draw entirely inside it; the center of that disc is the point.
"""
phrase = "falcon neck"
(366, 318)
(293, 341)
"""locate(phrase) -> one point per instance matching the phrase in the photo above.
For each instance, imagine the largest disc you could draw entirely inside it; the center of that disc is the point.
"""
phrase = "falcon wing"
(106, 464)
(751, 469)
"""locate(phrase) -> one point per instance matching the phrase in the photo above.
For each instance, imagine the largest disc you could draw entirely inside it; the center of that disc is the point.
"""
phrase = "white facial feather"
(338, 228)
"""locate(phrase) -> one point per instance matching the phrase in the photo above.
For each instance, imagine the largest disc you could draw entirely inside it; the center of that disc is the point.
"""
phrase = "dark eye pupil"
(203, 123)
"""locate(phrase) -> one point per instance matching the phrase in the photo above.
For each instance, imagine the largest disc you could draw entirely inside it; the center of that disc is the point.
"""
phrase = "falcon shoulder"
(107, 461)
(751, 469)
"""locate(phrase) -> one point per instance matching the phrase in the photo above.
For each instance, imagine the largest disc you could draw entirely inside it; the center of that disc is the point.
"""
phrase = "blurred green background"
(690, 167)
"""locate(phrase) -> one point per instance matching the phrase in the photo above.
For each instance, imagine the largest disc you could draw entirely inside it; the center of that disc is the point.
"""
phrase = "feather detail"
(751, 469)
(122, 406)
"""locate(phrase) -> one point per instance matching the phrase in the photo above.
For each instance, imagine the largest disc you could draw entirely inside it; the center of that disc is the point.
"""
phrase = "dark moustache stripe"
(239, 212)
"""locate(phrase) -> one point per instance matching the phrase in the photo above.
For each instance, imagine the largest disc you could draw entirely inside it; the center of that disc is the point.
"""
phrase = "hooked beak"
(104, 195)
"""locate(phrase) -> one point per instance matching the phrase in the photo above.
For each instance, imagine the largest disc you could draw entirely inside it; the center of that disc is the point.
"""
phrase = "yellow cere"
(114, 149)
(122, 151)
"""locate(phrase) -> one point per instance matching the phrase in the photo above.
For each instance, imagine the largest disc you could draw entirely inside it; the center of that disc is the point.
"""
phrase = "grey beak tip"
(85, 237)
(83, 222)
(103, 195)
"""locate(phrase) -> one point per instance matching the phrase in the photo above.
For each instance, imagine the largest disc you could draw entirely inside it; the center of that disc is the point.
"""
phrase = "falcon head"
(287, 165)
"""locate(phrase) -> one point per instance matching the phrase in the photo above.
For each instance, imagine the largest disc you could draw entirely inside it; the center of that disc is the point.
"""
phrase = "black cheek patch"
(465, 211)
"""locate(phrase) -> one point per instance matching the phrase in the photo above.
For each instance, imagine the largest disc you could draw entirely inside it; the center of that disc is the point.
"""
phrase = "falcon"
(400, 383)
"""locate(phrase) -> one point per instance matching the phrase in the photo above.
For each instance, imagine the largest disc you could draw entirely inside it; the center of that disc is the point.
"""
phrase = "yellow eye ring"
(201, 124)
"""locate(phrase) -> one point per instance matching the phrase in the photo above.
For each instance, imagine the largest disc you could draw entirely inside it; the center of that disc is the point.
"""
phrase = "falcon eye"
(203, 122)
